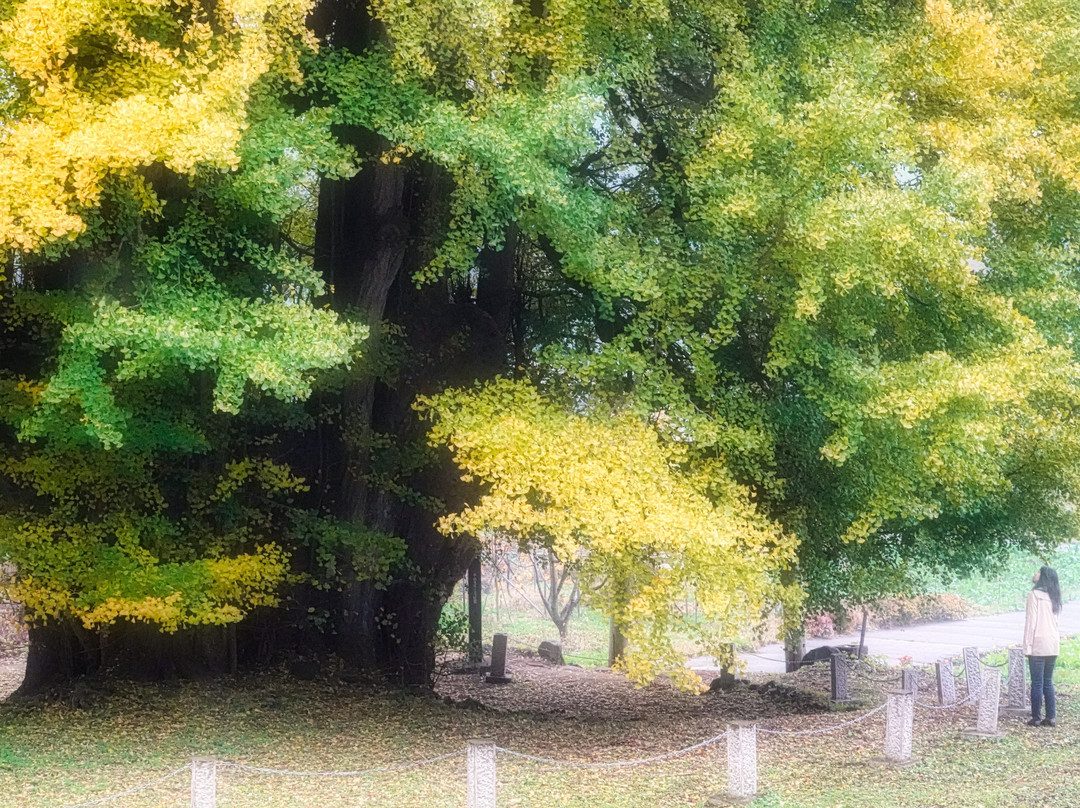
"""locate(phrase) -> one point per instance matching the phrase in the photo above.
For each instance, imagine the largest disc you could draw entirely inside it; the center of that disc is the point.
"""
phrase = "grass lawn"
(586, 643)
(55, 755)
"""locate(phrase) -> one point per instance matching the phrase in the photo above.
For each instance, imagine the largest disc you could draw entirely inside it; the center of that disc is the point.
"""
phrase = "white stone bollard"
(742, 760)
(203, 783)
(946, 682)
(986, 721)
(899, 727)
(973, 672)
(480, 761)
(1018, 696)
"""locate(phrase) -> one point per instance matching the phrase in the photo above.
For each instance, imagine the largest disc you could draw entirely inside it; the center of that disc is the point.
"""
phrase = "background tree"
(552, 577)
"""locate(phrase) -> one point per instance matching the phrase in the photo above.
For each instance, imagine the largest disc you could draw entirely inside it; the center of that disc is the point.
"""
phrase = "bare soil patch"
(12, 668)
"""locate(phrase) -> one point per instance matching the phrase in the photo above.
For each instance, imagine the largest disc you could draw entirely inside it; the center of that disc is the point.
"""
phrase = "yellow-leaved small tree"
(618, 497)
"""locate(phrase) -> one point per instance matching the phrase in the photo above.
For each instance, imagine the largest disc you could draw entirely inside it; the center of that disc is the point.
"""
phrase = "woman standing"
(1041, 643)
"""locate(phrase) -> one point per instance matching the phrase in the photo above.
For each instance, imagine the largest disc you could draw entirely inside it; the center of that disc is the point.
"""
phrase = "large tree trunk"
(61, 652)
(369, 244)
(54, 658)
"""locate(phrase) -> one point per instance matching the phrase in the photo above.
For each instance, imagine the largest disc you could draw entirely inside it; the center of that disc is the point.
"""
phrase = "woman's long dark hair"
(1048, 582)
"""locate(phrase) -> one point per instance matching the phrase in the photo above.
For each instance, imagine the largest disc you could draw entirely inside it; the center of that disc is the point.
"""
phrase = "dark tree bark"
(370, 242)
(53, 658)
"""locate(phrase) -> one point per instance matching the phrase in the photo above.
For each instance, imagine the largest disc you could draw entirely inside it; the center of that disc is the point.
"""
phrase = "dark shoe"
(1048, 722)
(1034, 722)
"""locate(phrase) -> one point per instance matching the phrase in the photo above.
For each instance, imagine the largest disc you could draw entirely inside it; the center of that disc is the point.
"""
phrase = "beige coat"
(1040, 626)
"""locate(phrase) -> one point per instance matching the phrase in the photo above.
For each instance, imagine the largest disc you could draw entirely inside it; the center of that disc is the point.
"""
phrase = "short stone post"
(480, 762)
(742, 761)
(1017, 700)
(973, 672)
(909, 681)
(203, 783)
(899, 728)
(946, 682)
(986, 721)
(497, 674)
(838, 678)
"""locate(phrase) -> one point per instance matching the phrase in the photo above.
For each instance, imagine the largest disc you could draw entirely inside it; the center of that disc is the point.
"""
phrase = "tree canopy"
(772, 302)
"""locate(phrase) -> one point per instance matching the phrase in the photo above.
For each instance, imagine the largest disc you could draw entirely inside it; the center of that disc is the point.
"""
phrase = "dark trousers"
(1042, 685)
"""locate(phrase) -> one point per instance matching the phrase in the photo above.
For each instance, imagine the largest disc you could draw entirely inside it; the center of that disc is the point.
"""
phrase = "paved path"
(925, 643)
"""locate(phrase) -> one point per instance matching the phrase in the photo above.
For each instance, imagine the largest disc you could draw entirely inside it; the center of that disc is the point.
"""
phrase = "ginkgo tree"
(146, 291)
(610, 494)
(824, 279)
(775, 302)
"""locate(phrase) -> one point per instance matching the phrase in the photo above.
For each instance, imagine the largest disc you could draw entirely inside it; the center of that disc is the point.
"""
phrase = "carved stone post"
(946, 682)
(899, 727)
(203, 783)
(497, 675)
(742, 761)
(1017, 702)
(909, 681)
(973, 672)
(986, 725)
(838, 678)
(480, 761)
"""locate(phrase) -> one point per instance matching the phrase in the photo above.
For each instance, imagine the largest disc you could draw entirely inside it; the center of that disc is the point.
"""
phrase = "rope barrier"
(955, 704)
(379, 769)
(131, 791)
(853, 667)
(618, 764)
(823, 730)
(553, 762)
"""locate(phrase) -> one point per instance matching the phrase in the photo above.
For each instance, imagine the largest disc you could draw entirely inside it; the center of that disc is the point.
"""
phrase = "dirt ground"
(12, 666)
(600, 695)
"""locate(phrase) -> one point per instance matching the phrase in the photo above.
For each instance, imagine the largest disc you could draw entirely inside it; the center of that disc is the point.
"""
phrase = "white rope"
(823, 730)
(360, 773)
(131, 791)
(614, 764)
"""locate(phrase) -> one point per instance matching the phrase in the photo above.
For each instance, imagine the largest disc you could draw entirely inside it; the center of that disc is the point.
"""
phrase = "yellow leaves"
(607, 494)
(484, 47)
(40, 599)
(973, 54)
(732, 143)
(165, 612)
(272, 477)
(178, 100)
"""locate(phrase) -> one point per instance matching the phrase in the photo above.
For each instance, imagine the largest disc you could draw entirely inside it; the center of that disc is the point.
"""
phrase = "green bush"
(453, 631)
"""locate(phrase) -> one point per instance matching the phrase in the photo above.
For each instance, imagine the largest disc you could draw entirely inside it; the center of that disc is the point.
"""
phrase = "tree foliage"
(644, 528)
(148, 286)
(810, 266)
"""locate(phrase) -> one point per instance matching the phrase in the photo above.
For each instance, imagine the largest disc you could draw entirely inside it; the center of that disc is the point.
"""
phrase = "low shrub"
(890, 613)
(897, 612)
(820, 625)
(452, 635)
